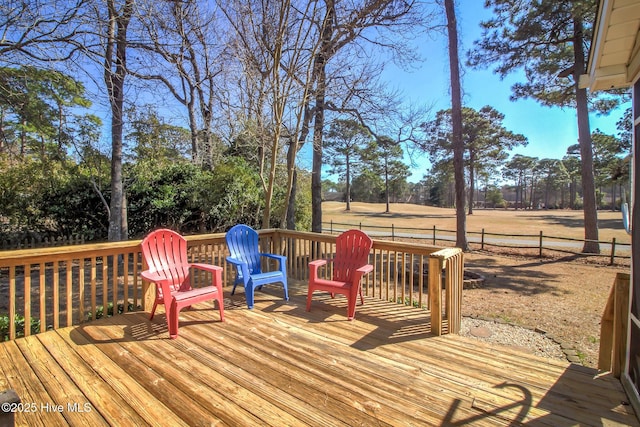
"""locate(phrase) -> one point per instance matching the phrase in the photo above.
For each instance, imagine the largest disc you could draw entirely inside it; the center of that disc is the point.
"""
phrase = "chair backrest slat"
(242, 242)
(165, 252)
(352, 252)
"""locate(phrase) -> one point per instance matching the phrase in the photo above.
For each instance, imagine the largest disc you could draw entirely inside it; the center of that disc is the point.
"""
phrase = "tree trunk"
(532, 192)
(193, 126)
(114, 79)
(613, 196)
(386, 184)
(591, 244)
(291, 206)
(318, 124)
(290, 214)
(348, 179)
(292, 173)
(456, 116)
(316, 173)
(472, 183)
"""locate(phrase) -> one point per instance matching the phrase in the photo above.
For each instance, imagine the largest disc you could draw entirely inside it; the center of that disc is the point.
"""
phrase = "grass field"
(557, 223)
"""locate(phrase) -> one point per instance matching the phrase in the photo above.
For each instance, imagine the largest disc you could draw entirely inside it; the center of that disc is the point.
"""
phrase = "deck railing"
(49, 288)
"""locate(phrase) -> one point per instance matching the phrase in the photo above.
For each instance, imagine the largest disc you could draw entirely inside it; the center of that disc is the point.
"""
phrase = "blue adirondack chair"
(242, 242)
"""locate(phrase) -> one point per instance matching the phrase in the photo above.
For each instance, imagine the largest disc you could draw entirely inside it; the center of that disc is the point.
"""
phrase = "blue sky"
(549, 130)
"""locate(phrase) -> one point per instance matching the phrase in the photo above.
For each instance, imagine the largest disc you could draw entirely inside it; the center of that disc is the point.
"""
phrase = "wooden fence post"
(613, 251)
(482, 240)
(540, 253)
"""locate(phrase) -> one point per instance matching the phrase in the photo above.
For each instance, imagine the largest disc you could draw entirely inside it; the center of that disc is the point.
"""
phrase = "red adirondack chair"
(165, 253)
(350, 264)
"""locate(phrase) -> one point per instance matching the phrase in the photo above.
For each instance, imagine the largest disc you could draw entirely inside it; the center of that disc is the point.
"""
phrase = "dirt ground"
(562, 296)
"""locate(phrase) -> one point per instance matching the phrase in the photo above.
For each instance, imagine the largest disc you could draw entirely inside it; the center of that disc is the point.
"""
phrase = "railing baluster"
(94, 276)
(12, 302)
(27, 300)
(43, 296)
(69, 291)
(81, 291)
(114, 279)
(105, 285)
(421, 282)
(56, 295)
(125, 282)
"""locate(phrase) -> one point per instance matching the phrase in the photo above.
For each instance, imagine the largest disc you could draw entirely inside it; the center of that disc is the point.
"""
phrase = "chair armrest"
(365, 269)
(154, 277)
(280, 258)
(163, 285)
(315, 265)
(215, 270)
(235, 261)
(241, 266)
(320, 262)
(206, 267)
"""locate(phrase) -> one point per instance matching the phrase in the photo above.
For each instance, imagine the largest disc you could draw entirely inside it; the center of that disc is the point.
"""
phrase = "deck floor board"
(281, 365)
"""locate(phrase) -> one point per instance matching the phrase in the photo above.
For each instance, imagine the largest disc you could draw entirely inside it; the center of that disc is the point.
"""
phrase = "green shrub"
(19, 325)
(100, 310)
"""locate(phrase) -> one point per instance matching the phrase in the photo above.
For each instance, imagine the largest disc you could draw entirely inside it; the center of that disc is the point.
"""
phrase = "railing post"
(482, 240)
(434, 234)
(614, 326)
(451, 262)
(621, 325)
(393, 233)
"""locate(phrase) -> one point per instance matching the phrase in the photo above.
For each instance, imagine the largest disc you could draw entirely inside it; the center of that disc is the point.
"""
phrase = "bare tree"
(345, 25)
(181, 40)
(275, 42)
(40, 30)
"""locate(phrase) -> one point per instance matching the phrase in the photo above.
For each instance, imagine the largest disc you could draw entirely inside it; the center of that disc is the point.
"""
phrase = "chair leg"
(309, 295)
(286, 291)
(221, 307)
(172, 319)
(153, 310)
(351, 307)
(361, 297)
(249, 295)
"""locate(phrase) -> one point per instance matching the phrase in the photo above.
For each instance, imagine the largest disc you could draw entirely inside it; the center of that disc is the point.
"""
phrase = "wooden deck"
(279, 365)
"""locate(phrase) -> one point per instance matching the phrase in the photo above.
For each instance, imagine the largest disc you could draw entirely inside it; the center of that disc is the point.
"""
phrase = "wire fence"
(536, 243)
